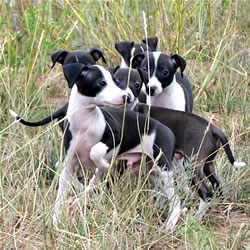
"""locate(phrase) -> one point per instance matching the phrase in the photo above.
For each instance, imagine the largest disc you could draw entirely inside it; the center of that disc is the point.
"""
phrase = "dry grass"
(211, 35)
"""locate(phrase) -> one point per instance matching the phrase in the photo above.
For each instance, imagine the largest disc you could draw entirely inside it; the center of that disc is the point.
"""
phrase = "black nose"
(151, 90)
(127, 97)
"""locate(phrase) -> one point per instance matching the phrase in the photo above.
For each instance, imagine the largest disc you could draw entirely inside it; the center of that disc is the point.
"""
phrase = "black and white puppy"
(165, 86)
(96, 135)
(88, 57)
(128, 80)
(125, 49)
(195, 136)
(64, 57)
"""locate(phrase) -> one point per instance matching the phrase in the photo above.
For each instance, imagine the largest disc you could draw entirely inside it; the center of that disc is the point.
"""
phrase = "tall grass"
(211, 35)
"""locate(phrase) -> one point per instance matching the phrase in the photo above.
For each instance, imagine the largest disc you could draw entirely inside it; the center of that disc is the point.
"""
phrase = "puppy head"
(89, 57)
(130, 81)
(125, 50)
(162, 68)
(94, 83)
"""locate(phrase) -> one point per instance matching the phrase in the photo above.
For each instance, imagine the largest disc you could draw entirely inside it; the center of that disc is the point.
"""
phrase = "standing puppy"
(65, 57)
(125, 49)
(165, 86)
(195, 136)
(98, 134)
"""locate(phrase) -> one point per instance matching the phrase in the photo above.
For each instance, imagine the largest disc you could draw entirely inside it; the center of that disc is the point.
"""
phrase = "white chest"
(171, 97)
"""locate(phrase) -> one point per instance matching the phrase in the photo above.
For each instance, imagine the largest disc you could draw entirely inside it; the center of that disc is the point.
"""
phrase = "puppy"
(125, 49)
(130, 81)
(65, 57)
(165, 86)
(97, 135)
(89, 57)
(195, 136)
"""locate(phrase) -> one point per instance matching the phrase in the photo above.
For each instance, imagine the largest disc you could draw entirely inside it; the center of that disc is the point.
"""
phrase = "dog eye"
(137, 85)
(145, 68)
(165, 73)
(102, 84)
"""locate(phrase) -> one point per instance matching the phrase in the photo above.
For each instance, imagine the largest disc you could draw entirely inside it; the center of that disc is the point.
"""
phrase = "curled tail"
(58, 114)
(224, 141)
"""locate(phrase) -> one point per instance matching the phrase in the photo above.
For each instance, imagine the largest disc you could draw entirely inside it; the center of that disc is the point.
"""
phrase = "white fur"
(171, 97)
(14, 114)
(111, 94)
(165, 179)
(123, 64)
(154, 82)
(239, 164)
(97, 154)
(202, 210)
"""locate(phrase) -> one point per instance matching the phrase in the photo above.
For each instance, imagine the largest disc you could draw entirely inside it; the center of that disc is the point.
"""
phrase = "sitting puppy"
(125, 49)
(165, 86)
(195, 136)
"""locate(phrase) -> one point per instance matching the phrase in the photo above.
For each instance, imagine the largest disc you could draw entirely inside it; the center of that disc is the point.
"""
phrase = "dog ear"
(124, 48)
(143, 74)
(72, 71)
(59, 57)
(179, 61)
(97, 54)
(137, 59)
(152, 42)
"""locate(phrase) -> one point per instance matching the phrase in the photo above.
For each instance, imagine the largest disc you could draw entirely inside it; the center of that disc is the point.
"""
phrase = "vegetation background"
(211, 35)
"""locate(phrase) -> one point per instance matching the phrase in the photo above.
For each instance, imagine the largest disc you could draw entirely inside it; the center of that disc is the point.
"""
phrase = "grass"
(211, 35)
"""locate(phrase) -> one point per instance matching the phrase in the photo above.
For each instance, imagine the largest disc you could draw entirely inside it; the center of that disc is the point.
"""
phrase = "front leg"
(65, 184)
(97, 153)
(91, 187)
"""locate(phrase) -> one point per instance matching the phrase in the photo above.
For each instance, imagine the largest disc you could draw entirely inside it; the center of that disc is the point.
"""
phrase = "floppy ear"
(124, 48)
(97, 54)
(72, 71)
(143, 74)
(59, 57)
(179, 61)
(152, 42)
(136, 62)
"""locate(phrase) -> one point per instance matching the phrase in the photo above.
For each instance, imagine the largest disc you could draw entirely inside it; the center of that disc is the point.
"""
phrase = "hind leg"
(209, 171)
(164, 181)
(204, 191)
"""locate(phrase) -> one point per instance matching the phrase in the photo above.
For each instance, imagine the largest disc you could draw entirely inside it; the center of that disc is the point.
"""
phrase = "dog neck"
(80, 109)
(171, 97)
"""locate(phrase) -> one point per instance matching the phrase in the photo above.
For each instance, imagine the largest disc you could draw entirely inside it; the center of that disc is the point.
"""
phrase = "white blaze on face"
(153, 81)
(111, 93)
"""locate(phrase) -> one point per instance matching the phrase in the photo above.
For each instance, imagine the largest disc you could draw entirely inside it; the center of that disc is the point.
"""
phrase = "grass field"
(213, 38)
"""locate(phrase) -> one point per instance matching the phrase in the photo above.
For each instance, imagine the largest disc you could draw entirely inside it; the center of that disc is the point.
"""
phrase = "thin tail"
(224, 141)
(58, 114)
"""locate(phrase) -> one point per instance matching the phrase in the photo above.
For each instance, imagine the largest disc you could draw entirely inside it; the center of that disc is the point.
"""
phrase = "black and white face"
(162, 69)
(133, 87)
(95, 84)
